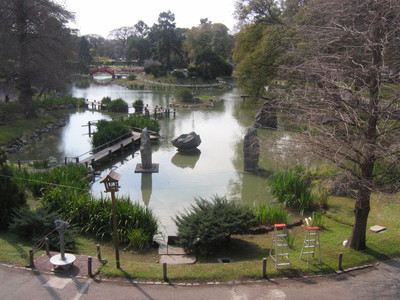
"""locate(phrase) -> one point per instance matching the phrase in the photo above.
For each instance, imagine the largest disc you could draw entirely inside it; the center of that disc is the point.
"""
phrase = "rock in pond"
(187, 142)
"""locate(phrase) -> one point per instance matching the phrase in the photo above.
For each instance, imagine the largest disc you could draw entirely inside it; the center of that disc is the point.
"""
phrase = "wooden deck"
(107, 152)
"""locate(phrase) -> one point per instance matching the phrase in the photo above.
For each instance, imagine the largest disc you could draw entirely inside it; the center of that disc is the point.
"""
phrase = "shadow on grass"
(14, 241)
(236, 250)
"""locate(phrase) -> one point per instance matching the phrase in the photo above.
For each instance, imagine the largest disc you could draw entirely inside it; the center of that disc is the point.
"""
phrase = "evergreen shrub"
(35, 226)
(207, 225)
(12, 195)
(118, 105)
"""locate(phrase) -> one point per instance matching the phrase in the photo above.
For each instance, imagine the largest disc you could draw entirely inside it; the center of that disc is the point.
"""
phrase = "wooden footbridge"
(131, 140)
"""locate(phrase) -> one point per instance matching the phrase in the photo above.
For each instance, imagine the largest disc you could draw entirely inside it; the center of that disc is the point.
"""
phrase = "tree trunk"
(361, 211)
(25, 96)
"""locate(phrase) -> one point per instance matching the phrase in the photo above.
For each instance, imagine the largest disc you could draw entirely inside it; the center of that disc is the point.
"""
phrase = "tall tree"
(165, 38)
(138, 47)
(347, 56)
(38, 39)
(260, 44)
(208, 36)
(122, 35)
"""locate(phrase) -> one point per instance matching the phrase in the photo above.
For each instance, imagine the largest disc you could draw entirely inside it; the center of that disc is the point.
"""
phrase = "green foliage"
(118, 105)
(320, 194)
(108, 133)
(143, 122)
(269, 214)
(95, 218)
(317, 219)
(40, 164)
(139, 241)
(132, 77)
(34, 226)
(292, 189)
(48, 102)
(208, 224)
(178, 75)
(11, 108)
(106, 100)
(138, 102)
(209, 65)
(40, 182)
(12, 195)
(184, 95)
(156, 70)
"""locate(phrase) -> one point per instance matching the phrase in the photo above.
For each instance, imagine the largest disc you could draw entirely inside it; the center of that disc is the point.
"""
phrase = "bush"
(12, 195)
(184, 95)
(34, 226)
(132, 77)
(118, 105)
(207, 225)
(108, 133)
(138, 102)
(267, 214)
(292, 189)
(156, 70)
(178, 75)
(106, 100)
(41, 182)
(143, 122)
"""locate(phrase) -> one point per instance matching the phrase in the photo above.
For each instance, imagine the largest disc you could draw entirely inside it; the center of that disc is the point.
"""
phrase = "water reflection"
(146, 187)
(181, 177)
(186, 160)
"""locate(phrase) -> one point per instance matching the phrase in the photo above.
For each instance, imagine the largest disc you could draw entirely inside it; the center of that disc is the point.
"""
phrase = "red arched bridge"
(116, 72)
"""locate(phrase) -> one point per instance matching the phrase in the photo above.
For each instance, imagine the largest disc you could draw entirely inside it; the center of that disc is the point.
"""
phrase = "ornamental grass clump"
(270, 214)
(208, 225)
(292, 189)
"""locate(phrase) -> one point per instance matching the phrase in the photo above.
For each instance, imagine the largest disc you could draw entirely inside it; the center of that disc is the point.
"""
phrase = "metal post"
(264, 268)
(90, 129)
(31, 259)
(89, 262)
(165, 276)
(340, 261)
(46, 241)
(98, 252)
(19, 164)
(115, 226)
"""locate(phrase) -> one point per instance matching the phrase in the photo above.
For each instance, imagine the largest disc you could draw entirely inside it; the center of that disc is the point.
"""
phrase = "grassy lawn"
(247, 251)
(21, 127)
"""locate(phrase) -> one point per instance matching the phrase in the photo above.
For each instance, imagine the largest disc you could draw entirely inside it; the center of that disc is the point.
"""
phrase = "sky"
(100, 16)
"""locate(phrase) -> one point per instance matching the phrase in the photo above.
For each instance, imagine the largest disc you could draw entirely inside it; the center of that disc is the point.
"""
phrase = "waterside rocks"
(186, 142)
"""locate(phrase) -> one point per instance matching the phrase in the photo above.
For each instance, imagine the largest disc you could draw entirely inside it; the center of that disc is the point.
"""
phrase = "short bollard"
(98, 252)
(264, 268)
(340, 261)
(165, 276)
(46, 242)
(89, 263)
(31, 259)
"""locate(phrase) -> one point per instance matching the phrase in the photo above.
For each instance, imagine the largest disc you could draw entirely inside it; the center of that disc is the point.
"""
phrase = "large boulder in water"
(187, 142)
(266, 116)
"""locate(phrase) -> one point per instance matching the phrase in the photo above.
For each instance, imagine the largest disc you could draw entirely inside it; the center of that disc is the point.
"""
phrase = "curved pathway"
(379, 282)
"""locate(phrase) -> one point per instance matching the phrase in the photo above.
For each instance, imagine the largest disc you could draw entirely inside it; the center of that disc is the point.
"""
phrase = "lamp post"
(111, 185)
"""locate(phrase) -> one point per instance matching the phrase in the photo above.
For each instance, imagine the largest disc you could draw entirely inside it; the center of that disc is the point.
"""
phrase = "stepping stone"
(178, 259)
(165, 249)
(377, 228)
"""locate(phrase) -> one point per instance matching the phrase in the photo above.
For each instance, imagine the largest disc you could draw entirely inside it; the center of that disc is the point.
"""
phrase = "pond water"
(216, 170)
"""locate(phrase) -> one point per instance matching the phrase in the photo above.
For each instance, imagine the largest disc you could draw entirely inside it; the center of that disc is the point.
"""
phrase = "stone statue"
(266, 116)
(251, 150)
(147, 165)
(145, 149)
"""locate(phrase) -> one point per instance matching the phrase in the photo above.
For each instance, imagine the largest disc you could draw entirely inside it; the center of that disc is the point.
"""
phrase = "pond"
(216, 170)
